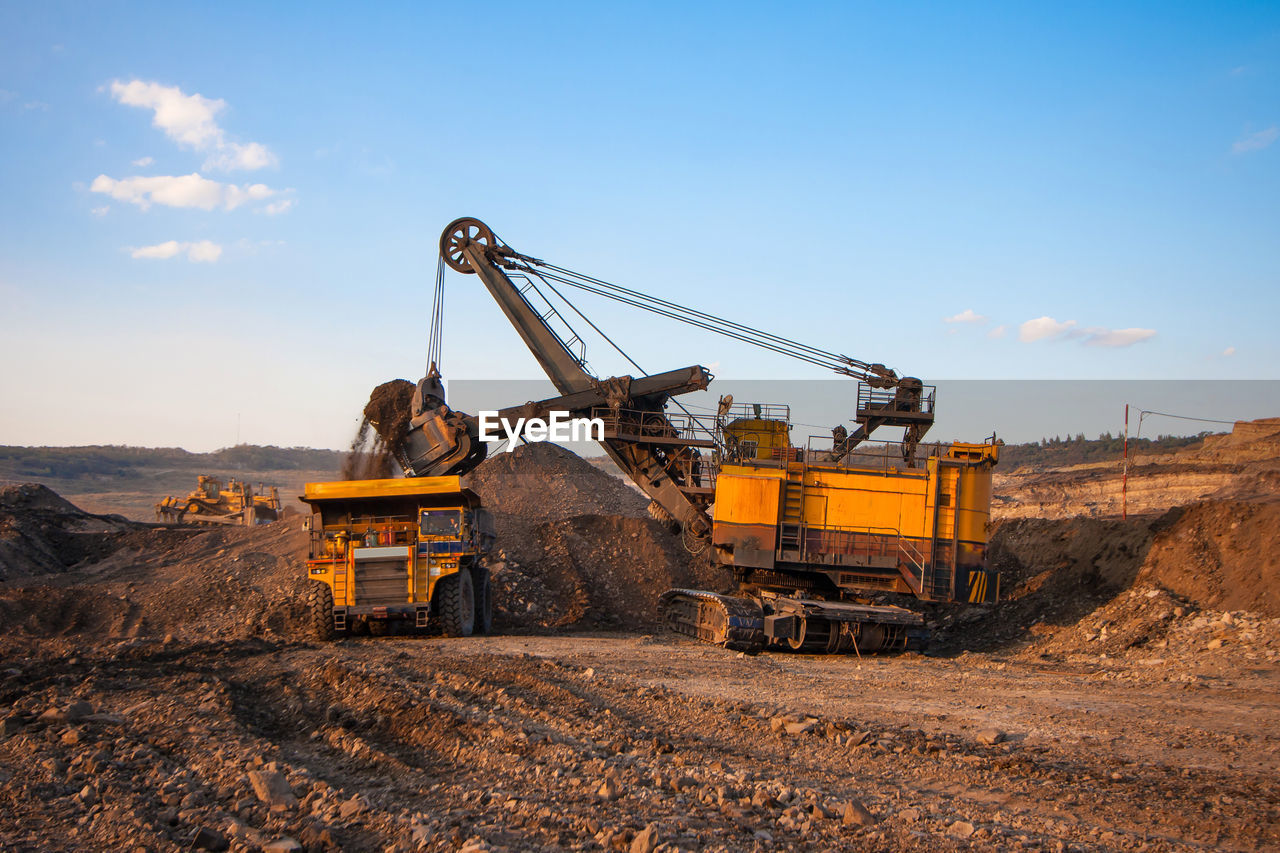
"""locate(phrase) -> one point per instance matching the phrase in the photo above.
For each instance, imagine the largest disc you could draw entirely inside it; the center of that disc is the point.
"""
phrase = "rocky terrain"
(156, 692)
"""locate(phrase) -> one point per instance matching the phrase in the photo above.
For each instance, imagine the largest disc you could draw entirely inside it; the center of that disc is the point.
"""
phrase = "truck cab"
(408, 551)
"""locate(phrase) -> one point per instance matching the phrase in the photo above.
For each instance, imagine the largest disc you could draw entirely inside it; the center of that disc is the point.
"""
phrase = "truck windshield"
(440, 522)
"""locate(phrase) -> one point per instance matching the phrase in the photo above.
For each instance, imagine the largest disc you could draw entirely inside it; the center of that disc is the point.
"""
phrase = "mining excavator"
(816, 537)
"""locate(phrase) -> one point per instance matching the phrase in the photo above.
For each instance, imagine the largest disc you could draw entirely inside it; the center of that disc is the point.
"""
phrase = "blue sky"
(228, 214)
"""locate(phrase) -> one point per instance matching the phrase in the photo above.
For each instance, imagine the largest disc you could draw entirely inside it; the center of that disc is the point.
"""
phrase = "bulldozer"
(237, 504)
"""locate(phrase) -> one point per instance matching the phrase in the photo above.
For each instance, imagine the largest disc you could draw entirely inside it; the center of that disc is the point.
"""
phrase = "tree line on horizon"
(126, 462)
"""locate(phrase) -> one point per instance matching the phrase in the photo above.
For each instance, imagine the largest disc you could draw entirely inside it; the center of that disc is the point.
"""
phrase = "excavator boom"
(443, 441)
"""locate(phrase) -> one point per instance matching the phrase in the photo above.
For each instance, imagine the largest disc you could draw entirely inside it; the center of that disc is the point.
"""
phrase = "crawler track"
(735, 623)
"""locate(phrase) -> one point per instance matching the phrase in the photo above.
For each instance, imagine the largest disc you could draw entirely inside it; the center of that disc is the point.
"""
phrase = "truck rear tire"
(320, 611)
(484, 599)
(457, 604)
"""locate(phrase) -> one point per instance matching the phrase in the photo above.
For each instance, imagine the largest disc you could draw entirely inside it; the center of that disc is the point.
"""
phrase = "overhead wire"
(1142, 414)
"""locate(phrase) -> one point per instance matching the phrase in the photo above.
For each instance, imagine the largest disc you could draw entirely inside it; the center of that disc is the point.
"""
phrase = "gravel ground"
(623, 742)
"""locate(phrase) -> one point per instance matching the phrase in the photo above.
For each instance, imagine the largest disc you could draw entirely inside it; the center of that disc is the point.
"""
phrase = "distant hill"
(115, 461)
(130, 480)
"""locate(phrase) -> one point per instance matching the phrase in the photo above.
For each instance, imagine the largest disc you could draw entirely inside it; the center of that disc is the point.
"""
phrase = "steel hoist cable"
(837, 362)
(435, 338)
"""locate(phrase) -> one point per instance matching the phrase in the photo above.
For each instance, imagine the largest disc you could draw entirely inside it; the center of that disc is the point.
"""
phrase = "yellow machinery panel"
(748, 495)
(852, 499)
(921, 530)
(771, 438)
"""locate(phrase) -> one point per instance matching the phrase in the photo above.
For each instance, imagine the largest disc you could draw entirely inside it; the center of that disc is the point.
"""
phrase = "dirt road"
(624, 742)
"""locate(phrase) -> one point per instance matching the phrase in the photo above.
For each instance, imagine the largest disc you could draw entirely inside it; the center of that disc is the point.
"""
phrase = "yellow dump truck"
(394, 552)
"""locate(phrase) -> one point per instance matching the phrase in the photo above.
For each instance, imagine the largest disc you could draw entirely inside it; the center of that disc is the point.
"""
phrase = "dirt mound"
(1053, 572)
(1220, 555)
(31, 497)
(1159, 628)
(1064, 580)
(594, 571)
(1247, 441)
(225, 582)
(41, 533)
(576, 547)
(544, 481)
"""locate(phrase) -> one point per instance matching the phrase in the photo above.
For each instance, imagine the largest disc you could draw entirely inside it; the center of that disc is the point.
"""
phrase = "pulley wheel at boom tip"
(458, 235)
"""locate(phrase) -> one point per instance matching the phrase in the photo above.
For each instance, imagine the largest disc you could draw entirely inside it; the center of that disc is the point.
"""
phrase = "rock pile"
(40, 533)
(576, 547)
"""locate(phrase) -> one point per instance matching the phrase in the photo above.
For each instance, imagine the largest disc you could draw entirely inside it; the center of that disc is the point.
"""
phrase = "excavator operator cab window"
(436, 523)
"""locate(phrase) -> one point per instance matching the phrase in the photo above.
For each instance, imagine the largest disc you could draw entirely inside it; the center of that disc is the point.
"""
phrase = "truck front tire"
(320, 611)
(484, 599)
(457, 596)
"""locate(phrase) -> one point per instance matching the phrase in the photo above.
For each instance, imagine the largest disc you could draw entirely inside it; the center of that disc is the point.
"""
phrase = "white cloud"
(1099, 337)
(1256, 141)
(143, 161)
(191, 121)
(1229, 351)
(100, 211)
(180, 191)
(1041, 328)
(277, 207)
(234, 156)
(202, 251)
(186, 119)
(1047, 328)
(161, 250)
(998, 331)
(236, 196)
(966, 316)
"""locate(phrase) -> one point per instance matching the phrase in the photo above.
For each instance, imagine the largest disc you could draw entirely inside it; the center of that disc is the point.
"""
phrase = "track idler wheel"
(820, 636)
(872, 638)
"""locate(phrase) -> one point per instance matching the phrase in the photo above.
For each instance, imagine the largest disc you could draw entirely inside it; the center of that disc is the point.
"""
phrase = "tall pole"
(1124, 482)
